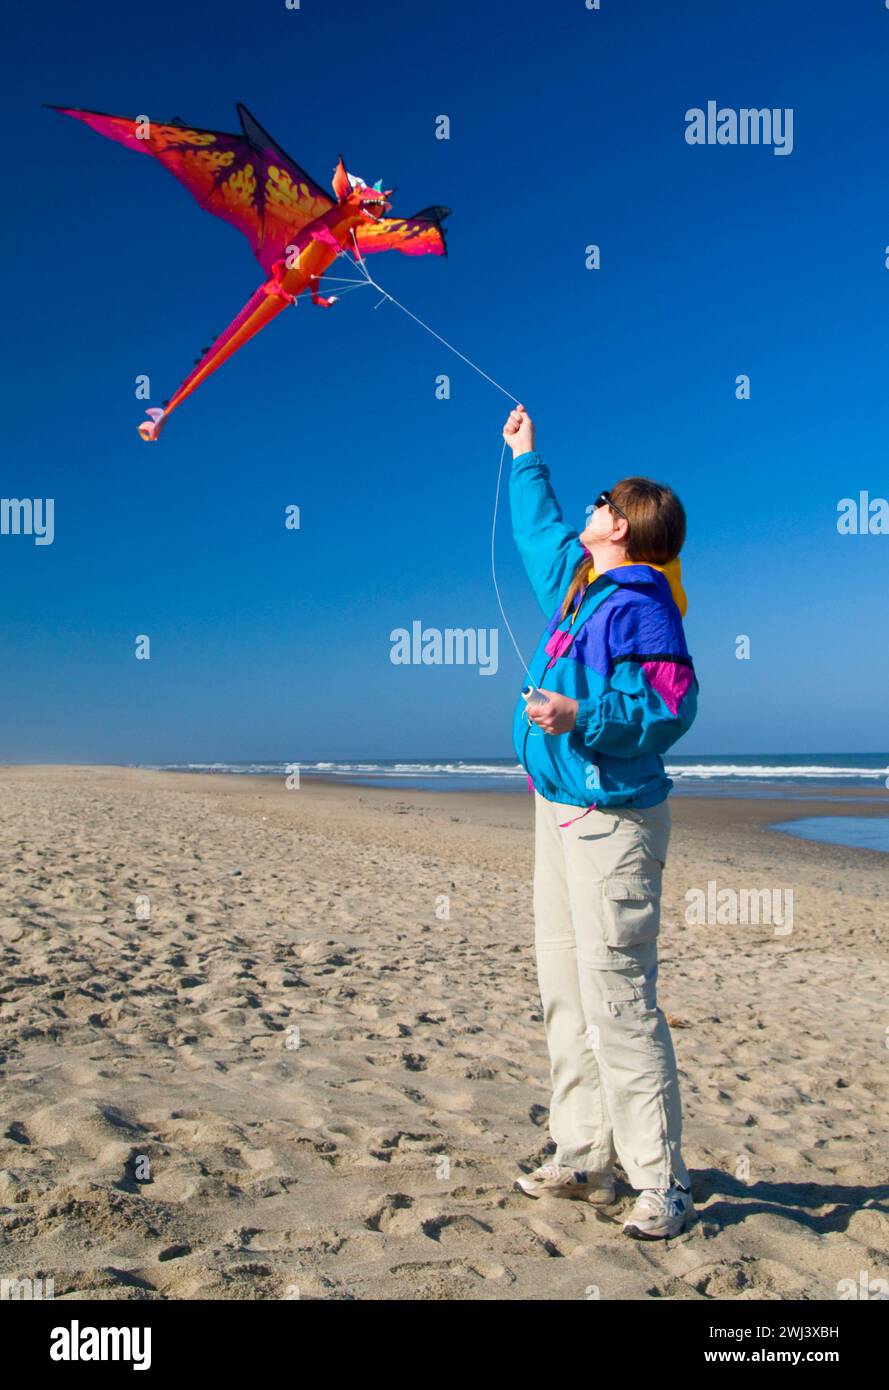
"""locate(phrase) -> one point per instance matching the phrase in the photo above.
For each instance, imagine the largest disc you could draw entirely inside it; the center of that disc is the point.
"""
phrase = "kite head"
(351, 191)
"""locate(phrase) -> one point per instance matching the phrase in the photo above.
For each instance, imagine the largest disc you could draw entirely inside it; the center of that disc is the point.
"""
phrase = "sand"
(164, 1136)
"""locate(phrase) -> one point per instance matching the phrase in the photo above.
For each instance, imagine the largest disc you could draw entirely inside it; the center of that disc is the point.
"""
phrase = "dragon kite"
(296, 230)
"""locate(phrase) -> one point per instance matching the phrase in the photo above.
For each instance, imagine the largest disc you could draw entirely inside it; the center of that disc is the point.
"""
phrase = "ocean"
(743, 774)
(783, 777)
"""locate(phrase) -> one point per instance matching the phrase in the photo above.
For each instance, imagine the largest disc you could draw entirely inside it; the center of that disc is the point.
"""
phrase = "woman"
(618, 690)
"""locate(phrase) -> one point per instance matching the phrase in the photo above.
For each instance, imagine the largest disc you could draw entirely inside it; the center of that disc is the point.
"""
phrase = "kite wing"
(420, 235)
(245, 179)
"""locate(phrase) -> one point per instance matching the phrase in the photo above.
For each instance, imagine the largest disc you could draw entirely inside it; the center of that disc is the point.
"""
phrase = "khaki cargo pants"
(615, 1092)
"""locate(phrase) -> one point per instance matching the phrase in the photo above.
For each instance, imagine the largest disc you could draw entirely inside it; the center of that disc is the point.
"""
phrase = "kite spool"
(532, 696)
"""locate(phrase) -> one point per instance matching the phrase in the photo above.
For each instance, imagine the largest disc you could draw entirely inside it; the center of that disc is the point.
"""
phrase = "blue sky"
(567, 128)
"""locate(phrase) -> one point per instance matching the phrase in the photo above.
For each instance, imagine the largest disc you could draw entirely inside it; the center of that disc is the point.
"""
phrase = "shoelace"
(661, 1203)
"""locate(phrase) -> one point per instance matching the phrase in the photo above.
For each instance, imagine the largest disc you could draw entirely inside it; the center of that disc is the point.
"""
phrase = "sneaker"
(552, 1180)
(660, 1213)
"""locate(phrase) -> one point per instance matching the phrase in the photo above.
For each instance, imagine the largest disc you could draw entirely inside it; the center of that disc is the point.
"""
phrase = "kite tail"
(151, 428)
(260, 309)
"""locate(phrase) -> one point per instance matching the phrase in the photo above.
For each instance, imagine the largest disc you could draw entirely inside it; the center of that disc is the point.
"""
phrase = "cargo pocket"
(623, 999)
(620, 998)
(632, 908)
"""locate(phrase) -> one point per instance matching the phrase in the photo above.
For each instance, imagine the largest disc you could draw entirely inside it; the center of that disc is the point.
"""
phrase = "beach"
(272, 1043)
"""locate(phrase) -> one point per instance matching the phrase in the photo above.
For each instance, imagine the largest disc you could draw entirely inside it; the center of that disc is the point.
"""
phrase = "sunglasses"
(604, 500)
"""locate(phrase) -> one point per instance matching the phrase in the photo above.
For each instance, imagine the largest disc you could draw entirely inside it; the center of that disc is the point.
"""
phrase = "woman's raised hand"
(519, 431)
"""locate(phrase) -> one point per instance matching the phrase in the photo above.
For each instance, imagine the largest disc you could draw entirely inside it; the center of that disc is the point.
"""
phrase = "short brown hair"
(655, 527)
(656, 520)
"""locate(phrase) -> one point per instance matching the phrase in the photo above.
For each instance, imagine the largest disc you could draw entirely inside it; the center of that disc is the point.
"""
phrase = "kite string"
(359, 263)
(518, 651)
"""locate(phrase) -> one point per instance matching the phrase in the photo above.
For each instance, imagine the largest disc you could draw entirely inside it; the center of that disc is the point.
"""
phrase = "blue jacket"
(621, 653)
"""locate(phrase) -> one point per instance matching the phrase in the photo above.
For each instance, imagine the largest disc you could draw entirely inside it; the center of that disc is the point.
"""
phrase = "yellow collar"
(672, 572)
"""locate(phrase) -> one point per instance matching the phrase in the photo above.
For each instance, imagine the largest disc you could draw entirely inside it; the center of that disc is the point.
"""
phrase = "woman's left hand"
(557, 716)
